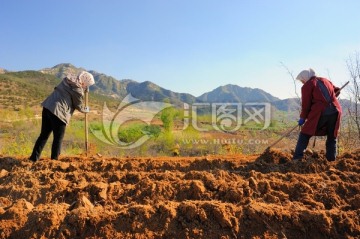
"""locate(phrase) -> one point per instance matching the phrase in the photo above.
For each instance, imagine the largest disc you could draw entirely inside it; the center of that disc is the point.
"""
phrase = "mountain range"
(109, 87)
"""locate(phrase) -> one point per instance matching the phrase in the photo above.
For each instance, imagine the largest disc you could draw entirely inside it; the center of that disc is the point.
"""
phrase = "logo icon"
(130, 108)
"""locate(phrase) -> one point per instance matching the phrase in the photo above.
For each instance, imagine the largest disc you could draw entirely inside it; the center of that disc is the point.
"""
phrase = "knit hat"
(86, 79)
(305, 75)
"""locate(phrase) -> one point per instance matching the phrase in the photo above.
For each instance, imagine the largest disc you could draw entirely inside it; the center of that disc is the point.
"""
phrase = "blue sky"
(189, 46)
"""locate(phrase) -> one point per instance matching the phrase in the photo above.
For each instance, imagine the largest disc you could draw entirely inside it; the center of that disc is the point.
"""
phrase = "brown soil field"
(233, 196)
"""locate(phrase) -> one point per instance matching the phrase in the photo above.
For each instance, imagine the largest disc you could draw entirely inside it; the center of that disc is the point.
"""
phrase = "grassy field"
(20, 129)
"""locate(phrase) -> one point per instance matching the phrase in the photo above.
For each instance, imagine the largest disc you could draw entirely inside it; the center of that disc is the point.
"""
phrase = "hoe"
(292, 129)
(86, 122)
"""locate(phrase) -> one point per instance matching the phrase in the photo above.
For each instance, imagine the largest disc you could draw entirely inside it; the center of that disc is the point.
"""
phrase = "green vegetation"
(134, 132)
(167, 117)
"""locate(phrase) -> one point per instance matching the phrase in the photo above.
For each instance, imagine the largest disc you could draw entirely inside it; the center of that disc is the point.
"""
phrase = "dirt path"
(259, 196)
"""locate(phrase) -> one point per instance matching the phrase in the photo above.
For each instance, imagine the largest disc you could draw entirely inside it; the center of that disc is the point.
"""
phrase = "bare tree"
(294, 81)
(353, 65)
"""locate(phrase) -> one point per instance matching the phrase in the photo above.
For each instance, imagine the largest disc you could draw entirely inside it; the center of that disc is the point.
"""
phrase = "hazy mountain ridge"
(234, 93)
(152, 92)
(290, 104)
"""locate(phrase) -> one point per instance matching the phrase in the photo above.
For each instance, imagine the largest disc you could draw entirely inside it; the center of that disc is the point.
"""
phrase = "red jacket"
(314, 103)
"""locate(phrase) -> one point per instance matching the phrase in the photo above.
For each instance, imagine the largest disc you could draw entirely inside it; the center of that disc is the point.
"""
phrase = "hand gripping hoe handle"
(86, 122)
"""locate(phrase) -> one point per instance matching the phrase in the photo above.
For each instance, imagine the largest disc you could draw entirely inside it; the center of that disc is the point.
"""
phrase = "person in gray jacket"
(58, 108)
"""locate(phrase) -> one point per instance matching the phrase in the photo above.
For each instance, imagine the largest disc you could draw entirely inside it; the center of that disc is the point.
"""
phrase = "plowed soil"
(237, 196)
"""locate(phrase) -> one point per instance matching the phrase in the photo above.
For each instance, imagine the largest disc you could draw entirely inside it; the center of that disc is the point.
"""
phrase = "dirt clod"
(257, 196)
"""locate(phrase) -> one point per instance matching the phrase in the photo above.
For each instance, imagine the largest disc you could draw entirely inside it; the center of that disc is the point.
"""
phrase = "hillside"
(28, 88)
(23, 89)
(151, 92)
(105, 85)
(234, 93)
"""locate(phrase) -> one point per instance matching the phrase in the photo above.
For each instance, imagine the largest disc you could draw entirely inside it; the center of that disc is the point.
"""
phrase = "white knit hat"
(305, 75)
(86, 78)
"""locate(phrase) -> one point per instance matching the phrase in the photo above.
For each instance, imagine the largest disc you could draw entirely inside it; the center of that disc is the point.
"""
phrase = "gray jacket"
(64, 100)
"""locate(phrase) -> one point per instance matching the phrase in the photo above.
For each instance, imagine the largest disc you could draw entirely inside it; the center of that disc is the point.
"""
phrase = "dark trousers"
(327, 121)
(50, 123)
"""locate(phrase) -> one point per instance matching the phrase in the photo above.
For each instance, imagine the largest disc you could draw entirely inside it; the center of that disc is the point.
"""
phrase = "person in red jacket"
(320, 113)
